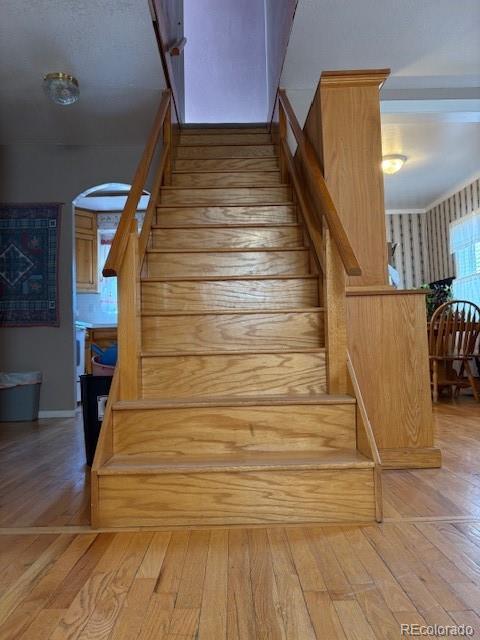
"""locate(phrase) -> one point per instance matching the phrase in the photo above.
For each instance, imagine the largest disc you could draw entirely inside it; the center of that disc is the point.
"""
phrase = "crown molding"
(354, 77)
(451, 192)
(392, 212)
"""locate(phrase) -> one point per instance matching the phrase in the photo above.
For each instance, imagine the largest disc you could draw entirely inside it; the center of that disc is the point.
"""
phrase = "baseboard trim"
(56, 414)
(410, 458)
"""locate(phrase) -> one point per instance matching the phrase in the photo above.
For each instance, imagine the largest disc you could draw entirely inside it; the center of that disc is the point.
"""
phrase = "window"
(465, 245)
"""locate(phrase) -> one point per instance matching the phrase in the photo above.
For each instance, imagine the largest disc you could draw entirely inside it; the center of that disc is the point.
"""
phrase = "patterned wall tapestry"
(29, 241)
(408, 231)
(438, 218)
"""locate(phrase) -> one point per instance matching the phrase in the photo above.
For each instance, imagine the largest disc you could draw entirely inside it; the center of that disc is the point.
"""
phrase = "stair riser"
(249, 497)
(229, 294)
(219, 151)
(221, 332)
(232, 179)
(243, 375)
(272, 263)
(227, 164)
(205, 129)
(277, 214)
(228, 237)
(225, 138)
(231, 195)
(169, 433)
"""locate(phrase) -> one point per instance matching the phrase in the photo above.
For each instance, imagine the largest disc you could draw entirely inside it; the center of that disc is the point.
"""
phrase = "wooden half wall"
(386, 328)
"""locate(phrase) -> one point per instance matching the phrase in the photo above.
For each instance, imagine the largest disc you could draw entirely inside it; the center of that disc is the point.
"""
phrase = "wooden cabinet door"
(86, 251)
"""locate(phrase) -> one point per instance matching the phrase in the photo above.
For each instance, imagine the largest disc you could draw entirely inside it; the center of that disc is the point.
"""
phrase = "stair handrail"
(319, 190)
(366, 442)
(161, 123)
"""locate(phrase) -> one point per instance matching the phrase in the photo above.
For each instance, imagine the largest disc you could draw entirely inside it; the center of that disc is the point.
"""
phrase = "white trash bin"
(19, 396)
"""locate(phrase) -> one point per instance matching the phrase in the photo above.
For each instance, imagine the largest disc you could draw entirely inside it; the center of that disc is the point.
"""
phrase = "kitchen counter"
(95, 325)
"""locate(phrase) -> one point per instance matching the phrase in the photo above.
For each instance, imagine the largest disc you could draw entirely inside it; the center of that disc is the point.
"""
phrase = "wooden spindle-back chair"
(453, 338)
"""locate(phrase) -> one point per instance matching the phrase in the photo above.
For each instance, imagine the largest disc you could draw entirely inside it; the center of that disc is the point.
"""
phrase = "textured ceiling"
(108, 45)
(433, 50)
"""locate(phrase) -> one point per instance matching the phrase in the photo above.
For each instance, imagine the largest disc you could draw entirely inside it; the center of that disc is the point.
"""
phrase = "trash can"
(19, 396)
(94, 390)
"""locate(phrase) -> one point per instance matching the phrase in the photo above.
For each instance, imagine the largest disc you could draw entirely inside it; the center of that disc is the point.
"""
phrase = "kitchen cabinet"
(86, 251)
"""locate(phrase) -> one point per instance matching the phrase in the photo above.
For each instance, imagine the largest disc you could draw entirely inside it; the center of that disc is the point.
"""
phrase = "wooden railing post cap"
(354, 77)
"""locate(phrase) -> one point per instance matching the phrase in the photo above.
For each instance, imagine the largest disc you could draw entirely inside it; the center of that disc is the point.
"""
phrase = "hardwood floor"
(43, 477)
(421, 566)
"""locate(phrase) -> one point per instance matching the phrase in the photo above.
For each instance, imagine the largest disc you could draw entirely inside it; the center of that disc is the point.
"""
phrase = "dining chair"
(453, 339)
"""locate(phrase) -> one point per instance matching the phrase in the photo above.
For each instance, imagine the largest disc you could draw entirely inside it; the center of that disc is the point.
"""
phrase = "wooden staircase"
(228, 419)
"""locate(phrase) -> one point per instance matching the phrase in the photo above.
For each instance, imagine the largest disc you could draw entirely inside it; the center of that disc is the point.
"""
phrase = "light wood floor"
(350, 582)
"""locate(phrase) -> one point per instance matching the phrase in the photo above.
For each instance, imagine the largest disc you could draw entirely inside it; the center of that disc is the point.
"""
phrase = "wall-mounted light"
(61, 88)
(393, 163)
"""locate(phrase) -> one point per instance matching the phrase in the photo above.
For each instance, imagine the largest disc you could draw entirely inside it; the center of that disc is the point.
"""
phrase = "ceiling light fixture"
(61, 88)
(393, 163)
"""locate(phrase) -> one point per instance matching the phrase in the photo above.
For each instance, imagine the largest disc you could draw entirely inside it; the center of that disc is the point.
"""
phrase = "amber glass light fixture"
(61, 88)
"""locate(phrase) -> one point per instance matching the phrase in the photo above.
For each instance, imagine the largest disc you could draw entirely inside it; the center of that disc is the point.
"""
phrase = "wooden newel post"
(167, 140)
(282, 131)
(128, 286)
(334, 288)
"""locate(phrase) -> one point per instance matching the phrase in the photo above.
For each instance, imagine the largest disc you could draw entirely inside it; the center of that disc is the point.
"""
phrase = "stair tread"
(139, 464)
(162, 205)
(221, 312)
(225, 143)
(282, 185)
(276, 171)
(226, 225)
(233, 401)
(306, 276)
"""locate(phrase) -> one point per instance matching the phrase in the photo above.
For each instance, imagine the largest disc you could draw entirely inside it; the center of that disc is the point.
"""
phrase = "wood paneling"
(303, 329)
(242, 214)
(387, 338)
(239, 374)
(228, 164)
(226, 179)
(242, 497)
(232, 195)
(409, 458)
(344, 128)
(172, 433)
(228, 263)
(237, 151)
(259, 293)
(280, 237)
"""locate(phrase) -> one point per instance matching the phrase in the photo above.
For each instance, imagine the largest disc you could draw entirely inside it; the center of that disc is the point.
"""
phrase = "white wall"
(225, 64)
(278, 23)
(55, 173)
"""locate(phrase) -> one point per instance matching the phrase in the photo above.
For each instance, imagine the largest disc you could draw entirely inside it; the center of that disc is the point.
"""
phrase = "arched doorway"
(97, 212)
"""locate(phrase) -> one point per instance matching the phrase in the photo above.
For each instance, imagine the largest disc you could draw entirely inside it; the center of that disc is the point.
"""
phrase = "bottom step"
(260, 489)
